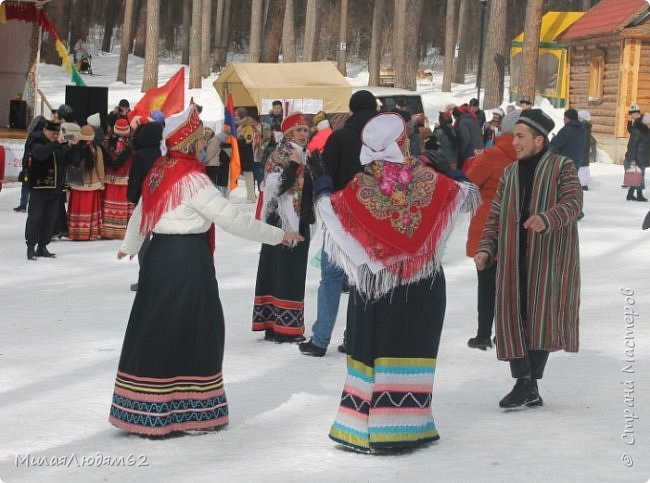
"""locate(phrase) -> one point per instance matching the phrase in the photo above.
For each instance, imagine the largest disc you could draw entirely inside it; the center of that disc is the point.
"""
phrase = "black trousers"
(486, 295)
(532, 365)
(41, 217)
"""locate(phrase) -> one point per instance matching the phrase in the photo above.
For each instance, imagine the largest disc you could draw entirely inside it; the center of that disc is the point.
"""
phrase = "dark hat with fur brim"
(537, 119)
(52, 126)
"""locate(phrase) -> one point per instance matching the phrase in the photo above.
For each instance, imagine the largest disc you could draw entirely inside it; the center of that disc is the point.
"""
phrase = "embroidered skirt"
(280, 289)
(116, 211)
(169, 377)
(85, 215)
(392, 347)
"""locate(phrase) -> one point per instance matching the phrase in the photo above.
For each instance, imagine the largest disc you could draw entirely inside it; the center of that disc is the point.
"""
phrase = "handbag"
(633, 177)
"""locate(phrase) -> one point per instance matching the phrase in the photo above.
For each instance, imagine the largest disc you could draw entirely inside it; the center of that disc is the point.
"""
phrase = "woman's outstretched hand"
(290, 237)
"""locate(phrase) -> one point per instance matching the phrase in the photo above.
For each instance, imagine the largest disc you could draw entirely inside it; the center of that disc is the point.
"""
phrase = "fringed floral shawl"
(282, 193)
(168, 182)
(389, 225)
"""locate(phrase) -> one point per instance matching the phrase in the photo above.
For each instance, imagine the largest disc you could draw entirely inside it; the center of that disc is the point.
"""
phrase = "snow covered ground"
(62, 322)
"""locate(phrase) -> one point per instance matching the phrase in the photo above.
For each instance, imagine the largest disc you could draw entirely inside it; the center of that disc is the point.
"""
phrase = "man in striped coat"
(532, 228)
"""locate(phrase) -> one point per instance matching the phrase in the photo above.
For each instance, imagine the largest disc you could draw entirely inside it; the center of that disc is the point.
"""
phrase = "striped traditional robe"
(553, 260)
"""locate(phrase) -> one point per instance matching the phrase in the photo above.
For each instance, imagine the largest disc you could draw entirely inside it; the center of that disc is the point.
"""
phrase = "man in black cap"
(121, 111)
(570, 141)
(50, 153)
(532, 230)
(341, 158)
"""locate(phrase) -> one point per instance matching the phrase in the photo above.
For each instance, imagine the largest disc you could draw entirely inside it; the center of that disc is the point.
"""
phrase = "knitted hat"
(584, 115)
(121, 127)
(183, 129)
(362, 100)
(537, 119)
(212, 125)
(241, 112)
(65, 112)
(473, 102)
(571, 114)
(94, 120)
(87, 133)
(293, 121)
(158, 116)
(634, 108)
(124, 103)
(380, 137)
(498, 111)
(508, 122)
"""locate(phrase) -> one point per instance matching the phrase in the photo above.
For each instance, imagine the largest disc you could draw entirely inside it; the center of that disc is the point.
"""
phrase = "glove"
(323, 185)
(316, 165)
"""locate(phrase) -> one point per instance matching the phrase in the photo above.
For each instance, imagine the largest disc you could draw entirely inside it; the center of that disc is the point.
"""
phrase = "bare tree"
(255, 49)
(126, 40)
(406, 31)
(289, 33)
(187, 28)
(311, 32)
(222, 29)
(110, 15)
(58, 14)
(218, 30)
(206, 20)
(463, 41)
(495, 53)
(376, 45)
(140, 29)
(529, 54)
(150, 73)
(273, 31)
(195, 46)
(450, 45)
(343, 38)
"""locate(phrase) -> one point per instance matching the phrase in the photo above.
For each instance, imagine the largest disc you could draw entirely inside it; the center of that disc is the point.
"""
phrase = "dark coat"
(470, 136)
(638, 148)
(570, 142)
(48, 163)
(146, 142)
(342, 149)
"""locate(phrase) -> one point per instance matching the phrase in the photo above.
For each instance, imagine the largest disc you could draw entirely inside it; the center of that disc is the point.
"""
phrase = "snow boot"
(524, 393)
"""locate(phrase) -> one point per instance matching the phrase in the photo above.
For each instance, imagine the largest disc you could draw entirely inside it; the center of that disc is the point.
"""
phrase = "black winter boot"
(630, 195)
(31, 253)
(639, 195)
(524, 393)
(478, 342)
(44, 252)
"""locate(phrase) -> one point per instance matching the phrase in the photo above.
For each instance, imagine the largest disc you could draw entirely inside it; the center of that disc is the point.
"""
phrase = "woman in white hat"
(387, 230)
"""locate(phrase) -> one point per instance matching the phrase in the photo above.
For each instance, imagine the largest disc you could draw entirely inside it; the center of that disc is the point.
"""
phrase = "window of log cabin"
(596, 75)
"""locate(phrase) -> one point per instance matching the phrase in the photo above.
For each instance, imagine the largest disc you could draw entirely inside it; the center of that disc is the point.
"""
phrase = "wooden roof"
(606, 17)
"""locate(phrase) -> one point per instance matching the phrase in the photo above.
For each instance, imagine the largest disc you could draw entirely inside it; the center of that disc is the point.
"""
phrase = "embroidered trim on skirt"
(85, 215)
(392, 347)
(280, 289)
(170, 370)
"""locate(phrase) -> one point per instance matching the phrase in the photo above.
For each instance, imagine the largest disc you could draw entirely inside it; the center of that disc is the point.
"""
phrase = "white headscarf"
(379, 138)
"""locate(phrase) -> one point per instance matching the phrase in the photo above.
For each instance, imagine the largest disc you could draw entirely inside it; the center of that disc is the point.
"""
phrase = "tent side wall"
(15, 63)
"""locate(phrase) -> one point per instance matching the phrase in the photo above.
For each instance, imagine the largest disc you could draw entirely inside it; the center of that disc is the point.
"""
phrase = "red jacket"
(485, 173)
(317, 142)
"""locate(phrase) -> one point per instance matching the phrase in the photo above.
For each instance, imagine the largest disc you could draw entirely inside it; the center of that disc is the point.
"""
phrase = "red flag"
(235, 163)
(169, 98)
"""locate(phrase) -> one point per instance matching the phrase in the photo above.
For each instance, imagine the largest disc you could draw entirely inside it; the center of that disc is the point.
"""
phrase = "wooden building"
(609, 68)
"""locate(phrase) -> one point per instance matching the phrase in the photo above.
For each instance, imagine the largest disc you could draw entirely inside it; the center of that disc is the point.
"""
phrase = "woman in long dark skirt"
(386, 229)
(169, 376)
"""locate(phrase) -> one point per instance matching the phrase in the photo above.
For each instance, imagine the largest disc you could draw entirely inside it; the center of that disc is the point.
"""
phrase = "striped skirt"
(85, 215)
(116, 211)
(169, 377)
(280, 289)
(392, 351)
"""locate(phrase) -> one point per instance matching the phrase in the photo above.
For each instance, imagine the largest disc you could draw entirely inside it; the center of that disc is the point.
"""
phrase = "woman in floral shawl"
(287, 203)
(387, 229)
